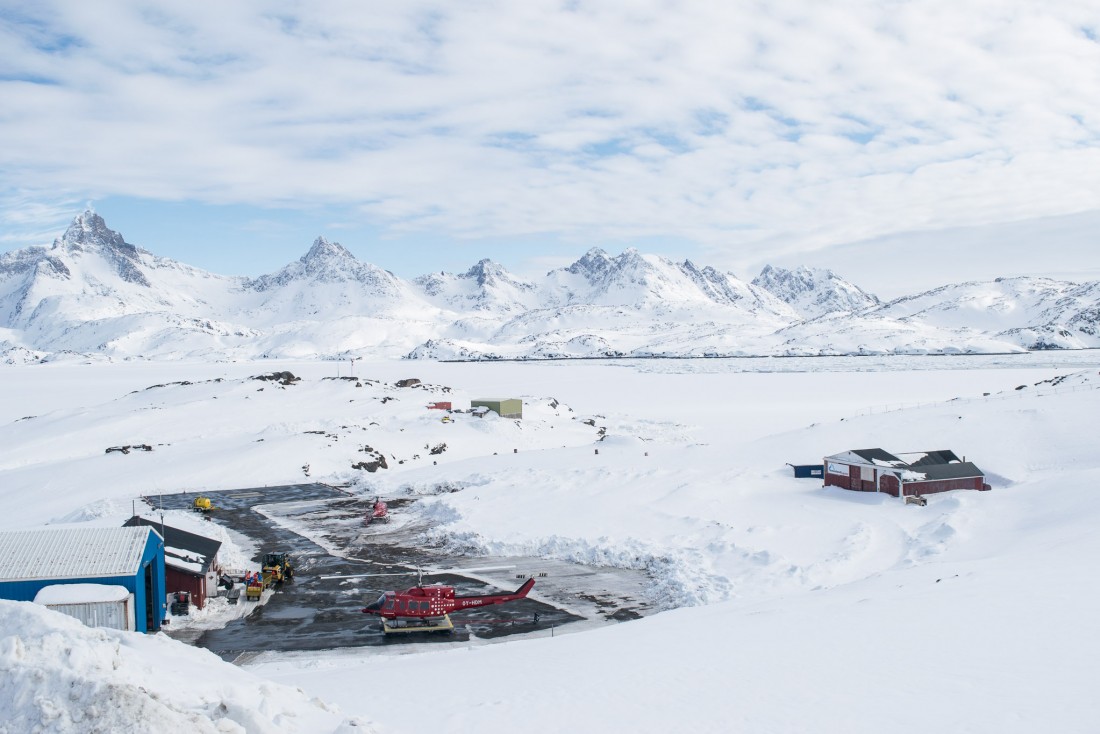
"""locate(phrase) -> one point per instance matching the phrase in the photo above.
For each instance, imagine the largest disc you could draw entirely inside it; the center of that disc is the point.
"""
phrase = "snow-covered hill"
(93, 295)
(1035, 313)
(212, 433)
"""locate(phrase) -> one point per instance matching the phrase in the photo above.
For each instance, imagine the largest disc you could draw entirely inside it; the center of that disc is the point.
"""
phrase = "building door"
(889, 484)
(150, 600)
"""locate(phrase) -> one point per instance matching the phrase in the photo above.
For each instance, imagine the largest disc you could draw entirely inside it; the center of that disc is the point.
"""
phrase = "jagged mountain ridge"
(93, 293)
(652, 281)
(485, 287)
(91, 273)
(814, 292)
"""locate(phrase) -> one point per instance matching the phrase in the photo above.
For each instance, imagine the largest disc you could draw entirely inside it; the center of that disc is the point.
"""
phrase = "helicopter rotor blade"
(366, 575)
(474, 570)
(420, 572)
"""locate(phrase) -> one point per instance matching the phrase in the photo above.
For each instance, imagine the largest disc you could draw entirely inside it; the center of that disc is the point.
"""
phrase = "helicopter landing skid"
(436, 624)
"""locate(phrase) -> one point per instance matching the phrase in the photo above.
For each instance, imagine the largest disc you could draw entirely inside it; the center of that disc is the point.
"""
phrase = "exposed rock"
(283, 378)
(128, 448)
(377, 461)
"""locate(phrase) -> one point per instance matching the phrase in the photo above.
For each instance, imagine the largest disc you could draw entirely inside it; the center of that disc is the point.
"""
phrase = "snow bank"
(57, 675)
(80, 594)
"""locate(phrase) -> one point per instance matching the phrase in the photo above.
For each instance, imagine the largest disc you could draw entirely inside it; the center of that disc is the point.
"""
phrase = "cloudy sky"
(903, 143)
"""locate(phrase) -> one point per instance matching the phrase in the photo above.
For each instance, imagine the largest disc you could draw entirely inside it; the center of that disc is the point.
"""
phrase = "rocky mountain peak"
(485, 287)
(484, 272)
(325, 251)
(329, 262)
(814, 292)
(89, 232)
(593, 266)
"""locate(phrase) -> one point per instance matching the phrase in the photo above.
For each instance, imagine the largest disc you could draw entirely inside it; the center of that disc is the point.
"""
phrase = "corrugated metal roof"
(69, 553)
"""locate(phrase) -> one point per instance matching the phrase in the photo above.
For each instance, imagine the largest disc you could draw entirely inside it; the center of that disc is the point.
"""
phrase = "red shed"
(440, 405)
(925, 472)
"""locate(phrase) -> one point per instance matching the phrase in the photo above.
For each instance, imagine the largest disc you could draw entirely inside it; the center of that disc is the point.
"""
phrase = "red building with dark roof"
(190, 560)
(902, 475)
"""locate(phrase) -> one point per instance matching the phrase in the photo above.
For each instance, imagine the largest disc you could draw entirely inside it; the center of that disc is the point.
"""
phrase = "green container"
(504, 407)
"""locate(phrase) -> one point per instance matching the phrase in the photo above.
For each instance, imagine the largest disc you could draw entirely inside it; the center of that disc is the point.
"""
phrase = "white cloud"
(747, 127)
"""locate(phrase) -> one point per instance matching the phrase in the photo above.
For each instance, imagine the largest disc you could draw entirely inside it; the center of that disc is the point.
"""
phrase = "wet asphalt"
(313, 613)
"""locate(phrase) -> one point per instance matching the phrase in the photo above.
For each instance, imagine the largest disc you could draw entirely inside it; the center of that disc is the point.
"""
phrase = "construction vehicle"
(276, 569)
(202, 504)
(254, 586)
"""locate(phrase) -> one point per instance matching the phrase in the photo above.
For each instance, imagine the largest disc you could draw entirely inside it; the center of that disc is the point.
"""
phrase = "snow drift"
(61, 676)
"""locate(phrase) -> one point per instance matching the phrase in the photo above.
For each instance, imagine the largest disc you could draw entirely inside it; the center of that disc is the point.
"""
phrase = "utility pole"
(353, 360)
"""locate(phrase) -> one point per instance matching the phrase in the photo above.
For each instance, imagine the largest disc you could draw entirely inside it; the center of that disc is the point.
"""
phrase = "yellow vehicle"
(202, 504)
(276, 568)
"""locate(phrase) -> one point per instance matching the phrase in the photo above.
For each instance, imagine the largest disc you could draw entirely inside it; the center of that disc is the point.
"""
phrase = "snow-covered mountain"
(814, 292)
(329, 282)
(655, 282)
(1035, 313)
(92, 294)
(630, 304)
(486, 287)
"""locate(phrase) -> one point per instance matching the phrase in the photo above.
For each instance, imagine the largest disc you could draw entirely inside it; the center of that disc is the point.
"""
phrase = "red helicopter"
(379, 512)
(427, 608)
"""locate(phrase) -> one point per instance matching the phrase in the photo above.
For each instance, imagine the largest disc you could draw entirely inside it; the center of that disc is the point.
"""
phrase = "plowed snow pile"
(56, 675)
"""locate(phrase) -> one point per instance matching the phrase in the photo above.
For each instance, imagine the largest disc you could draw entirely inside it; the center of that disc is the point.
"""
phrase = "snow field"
(806, 609)
(845, 612)
(244, 432)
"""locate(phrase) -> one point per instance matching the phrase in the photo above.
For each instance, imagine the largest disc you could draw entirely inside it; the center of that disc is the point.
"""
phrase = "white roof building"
(70, 553)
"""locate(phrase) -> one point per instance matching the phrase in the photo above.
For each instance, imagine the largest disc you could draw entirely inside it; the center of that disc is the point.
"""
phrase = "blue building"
(807, 471)
(129, 557)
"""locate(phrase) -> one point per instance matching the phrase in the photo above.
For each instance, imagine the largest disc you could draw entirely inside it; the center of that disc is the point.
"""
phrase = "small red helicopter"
(379, 512)
(427, 608)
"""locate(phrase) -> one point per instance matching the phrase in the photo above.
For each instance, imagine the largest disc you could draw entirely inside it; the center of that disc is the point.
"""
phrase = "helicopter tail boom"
(482, 600)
